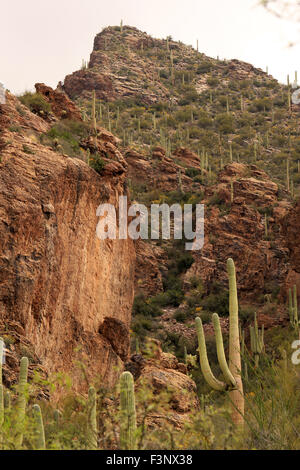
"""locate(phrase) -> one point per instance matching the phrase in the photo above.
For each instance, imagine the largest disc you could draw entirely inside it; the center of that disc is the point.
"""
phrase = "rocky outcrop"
(237, 230)
(62, 107)
(148, 274)
(291, 229)
(161, 172)
(108, 71)
(123, 65)
(162, 372)
(61, 289)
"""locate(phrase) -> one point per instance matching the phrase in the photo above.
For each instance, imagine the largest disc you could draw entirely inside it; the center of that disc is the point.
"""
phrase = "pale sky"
(44, 41)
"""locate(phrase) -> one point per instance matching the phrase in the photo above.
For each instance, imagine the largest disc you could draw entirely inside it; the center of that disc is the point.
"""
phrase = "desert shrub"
(217, 301)
(147, 308)
(225, 123)
(97, 163)
(192, 172)
(36, 103)
(204, 67)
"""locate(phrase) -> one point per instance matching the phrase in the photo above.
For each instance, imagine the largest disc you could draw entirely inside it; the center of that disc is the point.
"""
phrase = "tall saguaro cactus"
(21, 400)
(92, 419)
(128, 412)
(39, 433)
(232, 373)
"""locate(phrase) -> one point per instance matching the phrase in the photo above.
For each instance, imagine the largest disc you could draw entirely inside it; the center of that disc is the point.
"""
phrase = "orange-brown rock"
(291, 226)
(159, 172)
(163, 373)
(149, 261)
(61, 105)
(60, 285)
(237, 231)
(187, 158)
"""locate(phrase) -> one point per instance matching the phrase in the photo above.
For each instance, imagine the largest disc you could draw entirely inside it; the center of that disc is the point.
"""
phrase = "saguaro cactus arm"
(230, 380)
(205, 367)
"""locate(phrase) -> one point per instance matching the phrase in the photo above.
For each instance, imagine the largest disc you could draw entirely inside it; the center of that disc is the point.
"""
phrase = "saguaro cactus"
(293, 308)
(128, 412)
(39, 433)
(1, 405)
(94, 122)
(1, 358)
(92, 432)
(232, 373)
(21, 400)
(257, 340)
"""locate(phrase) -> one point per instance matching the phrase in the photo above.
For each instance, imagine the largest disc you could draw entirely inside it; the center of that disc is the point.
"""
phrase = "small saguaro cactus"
(39, 433)
(1, 358)
(179, 179)
(128, 412)
(7, 400)
(21, 400)
(293, 308)
(232, 373)
(257, 341)
(92, 432)
(94, 122)
(231, 192)
(1, 405)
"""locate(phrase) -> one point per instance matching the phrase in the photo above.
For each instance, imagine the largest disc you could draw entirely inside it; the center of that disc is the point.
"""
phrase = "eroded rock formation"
(61, 288)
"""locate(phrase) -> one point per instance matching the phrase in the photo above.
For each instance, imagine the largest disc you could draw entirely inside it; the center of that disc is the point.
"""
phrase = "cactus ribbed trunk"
(128, 412)
(1, 358)
(39, 433)
(235, 366)
(21, 401)
(1, 406)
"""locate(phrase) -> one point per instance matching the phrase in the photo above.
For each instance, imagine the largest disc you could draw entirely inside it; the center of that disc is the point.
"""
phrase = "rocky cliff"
(64, 294)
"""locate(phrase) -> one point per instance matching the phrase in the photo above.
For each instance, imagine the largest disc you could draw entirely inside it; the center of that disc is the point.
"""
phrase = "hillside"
(107, 324)
(191, 128)
(160, 92)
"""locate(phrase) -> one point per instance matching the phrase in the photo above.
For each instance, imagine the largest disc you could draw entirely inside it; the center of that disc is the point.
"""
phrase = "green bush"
(97, 163)
(36, 103)
(146, 308)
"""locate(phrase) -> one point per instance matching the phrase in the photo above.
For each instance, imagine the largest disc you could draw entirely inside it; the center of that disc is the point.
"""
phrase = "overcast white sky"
(44, 41)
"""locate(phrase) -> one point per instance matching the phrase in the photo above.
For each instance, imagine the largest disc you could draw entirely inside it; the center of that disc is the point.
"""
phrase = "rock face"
(291, 228)
(62, 107)
(161, 172)
(61, 288)
(148, 276)
(162, 372)
(237, 230)
(121, 66)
